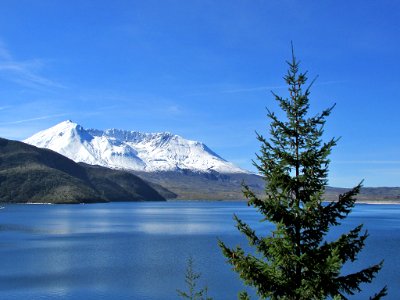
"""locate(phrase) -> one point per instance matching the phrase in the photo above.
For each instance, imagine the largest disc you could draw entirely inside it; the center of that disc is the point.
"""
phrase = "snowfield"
(132, 150)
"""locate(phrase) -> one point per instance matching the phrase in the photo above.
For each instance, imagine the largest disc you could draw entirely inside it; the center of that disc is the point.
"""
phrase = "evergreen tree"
(191, 278)
(295, 261)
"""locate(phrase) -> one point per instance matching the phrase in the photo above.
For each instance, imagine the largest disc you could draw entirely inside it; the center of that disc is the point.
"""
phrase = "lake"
(139, 250)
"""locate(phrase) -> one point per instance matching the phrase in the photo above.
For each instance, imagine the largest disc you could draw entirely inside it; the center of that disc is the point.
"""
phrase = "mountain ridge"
(179, 181)
(33, 175)
(131, 150)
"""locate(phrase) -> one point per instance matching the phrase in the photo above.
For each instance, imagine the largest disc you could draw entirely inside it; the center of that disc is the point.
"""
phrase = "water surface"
(139, 250)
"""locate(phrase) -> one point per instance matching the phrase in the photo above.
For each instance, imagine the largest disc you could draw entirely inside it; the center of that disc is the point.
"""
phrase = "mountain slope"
(175, 167)
(189, 185)
(131, 150)
(30, 174)
(216, 186)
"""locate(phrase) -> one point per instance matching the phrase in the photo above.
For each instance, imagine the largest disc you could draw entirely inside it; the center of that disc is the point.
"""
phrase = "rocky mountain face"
(131, 150)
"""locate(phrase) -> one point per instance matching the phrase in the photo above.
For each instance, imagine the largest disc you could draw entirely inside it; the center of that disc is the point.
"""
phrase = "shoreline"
(374, 202)
(370, 202)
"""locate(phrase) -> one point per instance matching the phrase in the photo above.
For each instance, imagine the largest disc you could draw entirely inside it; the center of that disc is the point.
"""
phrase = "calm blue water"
(139, 250)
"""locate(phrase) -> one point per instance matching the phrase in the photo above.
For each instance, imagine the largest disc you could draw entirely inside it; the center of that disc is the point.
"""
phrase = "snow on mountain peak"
(130, 150)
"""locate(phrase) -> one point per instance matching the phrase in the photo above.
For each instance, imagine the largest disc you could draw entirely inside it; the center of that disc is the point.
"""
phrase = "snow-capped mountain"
(130, 150)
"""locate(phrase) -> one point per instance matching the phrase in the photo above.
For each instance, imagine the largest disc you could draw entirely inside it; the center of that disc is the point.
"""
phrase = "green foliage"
(191, 278)
(30, 174)
(295, 261)
(243, 296)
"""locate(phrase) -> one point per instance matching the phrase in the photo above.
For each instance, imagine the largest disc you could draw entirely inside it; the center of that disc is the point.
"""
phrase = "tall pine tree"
(295, 261)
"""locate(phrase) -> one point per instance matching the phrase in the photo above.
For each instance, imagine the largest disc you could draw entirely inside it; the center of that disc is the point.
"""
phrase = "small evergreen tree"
(295, 261)
(191, 278)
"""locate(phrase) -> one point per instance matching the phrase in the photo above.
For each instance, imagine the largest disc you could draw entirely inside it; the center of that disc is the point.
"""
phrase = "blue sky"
(204, 70)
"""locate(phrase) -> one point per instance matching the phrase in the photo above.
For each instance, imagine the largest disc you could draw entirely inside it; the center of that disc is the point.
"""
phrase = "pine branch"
(340, 209)
(350, 283)
(383, 292)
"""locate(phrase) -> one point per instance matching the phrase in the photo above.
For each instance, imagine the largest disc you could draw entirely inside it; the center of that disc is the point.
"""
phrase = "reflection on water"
(178, 228)
(139, 250)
